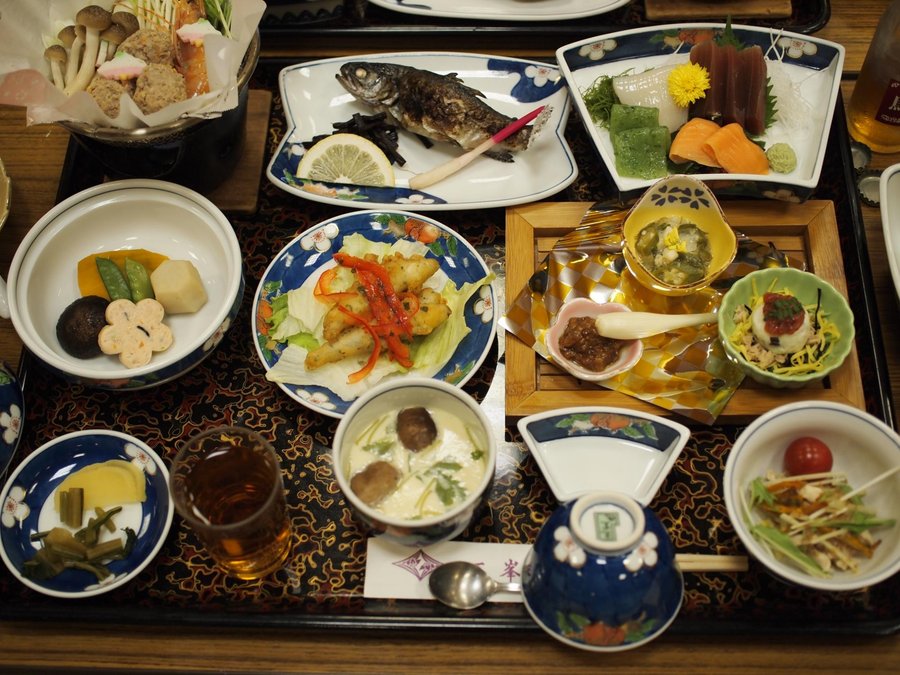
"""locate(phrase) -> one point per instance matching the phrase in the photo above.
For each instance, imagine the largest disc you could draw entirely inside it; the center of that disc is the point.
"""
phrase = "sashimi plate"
(504, 10)
(303, 260)
(314, 100)
(889, 188)
(805, 73)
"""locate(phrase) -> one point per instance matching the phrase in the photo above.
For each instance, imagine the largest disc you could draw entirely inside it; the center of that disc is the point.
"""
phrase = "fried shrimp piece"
(352, 342)
(408, 274)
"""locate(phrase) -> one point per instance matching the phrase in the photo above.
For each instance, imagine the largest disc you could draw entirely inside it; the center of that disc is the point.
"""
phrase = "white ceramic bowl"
(391, 397)
(630, 353)
(863, 447)
(889, 193)
(130, 214)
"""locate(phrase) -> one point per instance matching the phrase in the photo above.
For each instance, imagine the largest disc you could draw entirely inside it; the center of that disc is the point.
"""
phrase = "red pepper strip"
(390, 295)
(322, 292)
(385, 322)
(355, 377)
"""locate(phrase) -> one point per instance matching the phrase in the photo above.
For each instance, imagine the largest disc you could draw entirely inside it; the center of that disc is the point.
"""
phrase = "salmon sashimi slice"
(736, 153)
(689, 143)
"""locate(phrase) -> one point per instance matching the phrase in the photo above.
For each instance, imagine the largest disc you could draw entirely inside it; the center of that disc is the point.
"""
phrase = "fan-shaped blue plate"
(12, 416)
(304, 257)
(314, 100)
(28, 507)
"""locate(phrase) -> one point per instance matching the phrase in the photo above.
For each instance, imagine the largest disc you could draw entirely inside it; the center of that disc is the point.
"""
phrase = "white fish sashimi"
(651, 89)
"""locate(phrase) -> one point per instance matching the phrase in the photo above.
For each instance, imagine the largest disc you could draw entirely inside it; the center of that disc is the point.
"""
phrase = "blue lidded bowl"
(602, 575)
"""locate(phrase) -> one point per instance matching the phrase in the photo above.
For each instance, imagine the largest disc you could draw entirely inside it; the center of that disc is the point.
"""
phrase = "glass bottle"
(873, 116)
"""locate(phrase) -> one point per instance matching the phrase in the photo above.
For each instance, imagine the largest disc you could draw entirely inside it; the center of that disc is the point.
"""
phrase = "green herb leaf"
(783, 544)
(381, 447)
(759, 493)
(599, 99)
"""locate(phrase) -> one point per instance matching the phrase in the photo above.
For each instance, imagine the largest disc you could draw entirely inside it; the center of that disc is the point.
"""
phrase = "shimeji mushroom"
(56, 55)
(110, 39)
(73, 42)
(95, 19)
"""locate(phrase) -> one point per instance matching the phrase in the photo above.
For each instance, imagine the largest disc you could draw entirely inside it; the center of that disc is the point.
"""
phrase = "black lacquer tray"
(363, 20)
(322, 586)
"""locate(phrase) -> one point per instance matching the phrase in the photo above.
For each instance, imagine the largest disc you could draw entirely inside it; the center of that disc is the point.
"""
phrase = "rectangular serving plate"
(805, 231)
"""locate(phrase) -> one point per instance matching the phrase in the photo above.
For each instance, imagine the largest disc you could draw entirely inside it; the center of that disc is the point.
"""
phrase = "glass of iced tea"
(226, 484)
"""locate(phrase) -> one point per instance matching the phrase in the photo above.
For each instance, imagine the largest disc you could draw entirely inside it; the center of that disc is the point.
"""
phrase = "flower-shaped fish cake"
(135, 331)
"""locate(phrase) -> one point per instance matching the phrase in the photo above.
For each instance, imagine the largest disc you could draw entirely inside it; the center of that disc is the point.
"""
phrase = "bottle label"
(889, 110)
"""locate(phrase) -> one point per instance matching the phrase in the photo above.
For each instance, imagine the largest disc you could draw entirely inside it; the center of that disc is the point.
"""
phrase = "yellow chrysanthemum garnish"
(688, 83)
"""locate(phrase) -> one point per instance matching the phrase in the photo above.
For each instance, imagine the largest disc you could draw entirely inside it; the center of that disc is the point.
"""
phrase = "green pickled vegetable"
(113, 280)
(138, 280)
(623, 117)
(641, 152)
(71, 507)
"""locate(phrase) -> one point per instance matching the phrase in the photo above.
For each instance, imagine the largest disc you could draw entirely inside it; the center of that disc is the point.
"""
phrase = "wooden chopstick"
(707, 562)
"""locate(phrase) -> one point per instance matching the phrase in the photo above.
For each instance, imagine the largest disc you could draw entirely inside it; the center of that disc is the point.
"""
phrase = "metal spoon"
(635, 325)
(463, 585)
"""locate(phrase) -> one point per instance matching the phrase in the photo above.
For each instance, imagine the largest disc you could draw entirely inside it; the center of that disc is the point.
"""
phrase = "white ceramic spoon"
(635, 325)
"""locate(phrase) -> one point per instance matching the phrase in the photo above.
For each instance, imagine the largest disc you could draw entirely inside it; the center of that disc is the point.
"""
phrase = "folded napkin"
(400, 572)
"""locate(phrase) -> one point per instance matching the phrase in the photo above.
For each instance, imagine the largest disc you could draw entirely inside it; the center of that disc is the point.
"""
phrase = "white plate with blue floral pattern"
(28, 507)
(596, 449)
(314, 100)
(804, 72)
(302, 262)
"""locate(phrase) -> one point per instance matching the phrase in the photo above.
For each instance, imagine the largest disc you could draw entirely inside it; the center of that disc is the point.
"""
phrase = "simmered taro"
(79, 326)
(582, 344)
(375, 482)
(415, 428)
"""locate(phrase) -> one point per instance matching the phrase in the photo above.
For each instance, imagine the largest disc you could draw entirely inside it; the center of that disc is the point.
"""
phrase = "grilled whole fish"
(439, 107)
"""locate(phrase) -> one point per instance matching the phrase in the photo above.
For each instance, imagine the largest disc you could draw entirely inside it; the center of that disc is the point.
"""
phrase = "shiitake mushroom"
(416, 428)
(79, 326)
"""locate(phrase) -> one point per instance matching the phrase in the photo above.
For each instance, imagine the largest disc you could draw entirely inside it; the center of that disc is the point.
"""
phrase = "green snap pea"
(138, 280)
(113, 279)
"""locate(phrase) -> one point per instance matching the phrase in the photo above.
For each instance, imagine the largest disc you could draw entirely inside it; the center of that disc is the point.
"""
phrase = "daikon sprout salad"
(747, 105)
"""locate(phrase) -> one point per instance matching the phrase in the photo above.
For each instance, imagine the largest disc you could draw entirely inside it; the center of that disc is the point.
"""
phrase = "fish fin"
(500, 155)
(453, 77)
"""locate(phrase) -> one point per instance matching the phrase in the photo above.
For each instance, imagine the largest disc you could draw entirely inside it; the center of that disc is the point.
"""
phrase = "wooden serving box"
(806, 231)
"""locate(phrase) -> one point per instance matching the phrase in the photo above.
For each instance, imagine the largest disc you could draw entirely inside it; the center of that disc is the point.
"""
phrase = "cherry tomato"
(807, 455)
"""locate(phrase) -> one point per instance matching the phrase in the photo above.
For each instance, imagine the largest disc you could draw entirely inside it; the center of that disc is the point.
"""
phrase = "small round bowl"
(28, 507)
(805, 287)
(391, 397)
(130, 214)
(689, 198)
(630, 353)
(863, 448)
(602, 575)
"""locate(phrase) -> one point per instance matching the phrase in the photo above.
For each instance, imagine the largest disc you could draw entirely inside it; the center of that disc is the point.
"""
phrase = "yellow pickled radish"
(109, 483)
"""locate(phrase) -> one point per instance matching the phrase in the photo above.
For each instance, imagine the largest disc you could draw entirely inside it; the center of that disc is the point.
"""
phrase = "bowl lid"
(607, 522)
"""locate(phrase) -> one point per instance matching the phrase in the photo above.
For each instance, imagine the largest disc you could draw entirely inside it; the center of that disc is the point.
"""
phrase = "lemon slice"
(347, 158)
